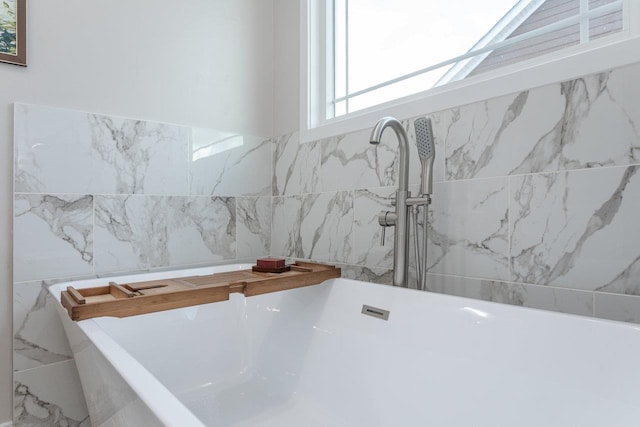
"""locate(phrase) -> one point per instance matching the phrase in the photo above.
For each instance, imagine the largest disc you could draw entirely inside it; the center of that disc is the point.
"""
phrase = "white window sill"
(612, 52)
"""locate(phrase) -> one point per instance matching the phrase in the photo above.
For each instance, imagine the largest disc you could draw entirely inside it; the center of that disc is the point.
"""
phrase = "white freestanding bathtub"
(310, 357)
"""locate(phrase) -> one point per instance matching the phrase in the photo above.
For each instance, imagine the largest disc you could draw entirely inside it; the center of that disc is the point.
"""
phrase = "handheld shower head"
(426, 152)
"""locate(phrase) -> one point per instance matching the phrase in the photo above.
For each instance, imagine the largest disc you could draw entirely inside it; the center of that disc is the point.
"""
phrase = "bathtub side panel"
(187, 348)
(105, 392)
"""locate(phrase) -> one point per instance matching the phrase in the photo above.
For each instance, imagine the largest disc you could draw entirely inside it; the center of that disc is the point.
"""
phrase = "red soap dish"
(270, 263)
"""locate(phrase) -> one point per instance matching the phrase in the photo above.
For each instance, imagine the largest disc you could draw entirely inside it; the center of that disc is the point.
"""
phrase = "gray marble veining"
(599, 126)
(139, 156)
(168, 195)
(367, 250)
(296, 167)
(576, 229)
(326, 224)
(54, 230)
(98, 195)
(351, 162)
(476, 136)
(253, 226)
(229, 164)
(588, 122)
(141, 232)
(285, 229)
(381, 276)
(49, 395)
(627, 281)
(532, 296)
(66, 151)
(34, 345)
(313, 226)
(29, 410)
(469, 229)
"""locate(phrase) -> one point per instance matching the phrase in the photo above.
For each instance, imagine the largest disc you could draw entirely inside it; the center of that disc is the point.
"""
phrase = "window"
(377, 51)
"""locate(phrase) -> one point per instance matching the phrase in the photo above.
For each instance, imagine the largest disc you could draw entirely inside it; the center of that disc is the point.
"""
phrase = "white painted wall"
(287, 64)
(195, 62)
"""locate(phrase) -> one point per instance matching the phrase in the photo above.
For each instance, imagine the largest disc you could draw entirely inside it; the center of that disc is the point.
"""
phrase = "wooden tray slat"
(299, 268)
(135, 287)
(146, 297)
(219, 278)
(77, 296)
(120, 291)
(291, 281)
(89, 292)
(133, 306)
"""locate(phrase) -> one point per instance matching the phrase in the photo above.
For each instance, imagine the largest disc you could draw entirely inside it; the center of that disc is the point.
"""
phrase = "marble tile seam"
(56, 279)
(104, 275)
(346, 190)
(71, 360)
(251, 259)
(484, 178)
(509, 230)
(541, 173)
(509, 282)
(617, 294)
(53, 193)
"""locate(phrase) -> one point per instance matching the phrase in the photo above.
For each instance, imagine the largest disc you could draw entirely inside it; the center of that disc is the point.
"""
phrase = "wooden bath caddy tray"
(130, 299)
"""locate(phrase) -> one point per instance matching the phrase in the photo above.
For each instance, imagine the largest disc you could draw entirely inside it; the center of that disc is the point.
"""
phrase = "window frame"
(599, 55)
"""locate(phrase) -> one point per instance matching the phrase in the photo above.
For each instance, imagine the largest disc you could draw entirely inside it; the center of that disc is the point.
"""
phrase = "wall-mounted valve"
(386, 219)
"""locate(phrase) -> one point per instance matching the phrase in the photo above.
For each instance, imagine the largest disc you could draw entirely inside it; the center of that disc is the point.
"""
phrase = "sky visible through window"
(388, 39)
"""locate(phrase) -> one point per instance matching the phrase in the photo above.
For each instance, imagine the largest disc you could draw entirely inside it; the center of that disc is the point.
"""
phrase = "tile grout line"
(518, 283)
(237, 231)
(94, 194)
(273, 175)
(70, 359)
(497, 177)
(149, 270)
(509, 230)
(93, 241)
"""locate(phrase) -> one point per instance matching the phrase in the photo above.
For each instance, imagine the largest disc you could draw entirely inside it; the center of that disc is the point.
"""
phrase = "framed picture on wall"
(13, 31)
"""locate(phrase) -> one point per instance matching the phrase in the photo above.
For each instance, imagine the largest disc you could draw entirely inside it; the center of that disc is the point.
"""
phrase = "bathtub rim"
(171, 411)
(500, 307)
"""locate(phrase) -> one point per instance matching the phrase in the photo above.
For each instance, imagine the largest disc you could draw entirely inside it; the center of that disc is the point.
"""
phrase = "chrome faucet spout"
(403, 143)
(400, 219)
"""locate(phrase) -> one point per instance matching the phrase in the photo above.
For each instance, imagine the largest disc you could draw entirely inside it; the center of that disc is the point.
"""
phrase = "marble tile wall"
(96, 195)
(535, 202)
(535, 199)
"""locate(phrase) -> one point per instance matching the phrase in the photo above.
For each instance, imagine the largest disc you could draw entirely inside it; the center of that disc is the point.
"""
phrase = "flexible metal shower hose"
(421, 261)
